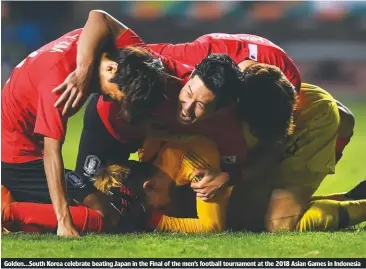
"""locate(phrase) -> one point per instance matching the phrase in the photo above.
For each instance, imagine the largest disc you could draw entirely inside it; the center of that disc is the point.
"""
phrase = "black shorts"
(27, 182)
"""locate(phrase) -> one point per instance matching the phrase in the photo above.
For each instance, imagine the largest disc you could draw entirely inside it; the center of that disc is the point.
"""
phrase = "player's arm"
(52, 127)
(98, 30)
(191, 52)
(54, 169)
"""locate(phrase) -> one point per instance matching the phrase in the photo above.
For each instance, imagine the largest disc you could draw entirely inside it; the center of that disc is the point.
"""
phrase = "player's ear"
(148, 186)
(112, 67)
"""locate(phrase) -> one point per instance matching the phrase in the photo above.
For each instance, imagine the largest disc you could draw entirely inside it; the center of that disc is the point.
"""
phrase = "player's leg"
(345, 130)
(309, 157)
(27, 182)
(35, 217)
(328, 215)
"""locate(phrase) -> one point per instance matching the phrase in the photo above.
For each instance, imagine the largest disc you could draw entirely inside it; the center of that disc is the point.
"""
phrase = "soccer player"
(317, 115)
(33, 130)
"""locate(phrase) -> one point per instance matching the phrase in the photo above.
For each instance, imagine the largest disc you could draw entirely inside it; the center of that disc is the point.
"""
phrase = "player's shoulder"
(241, 37)
(63, 44)
(57, 57)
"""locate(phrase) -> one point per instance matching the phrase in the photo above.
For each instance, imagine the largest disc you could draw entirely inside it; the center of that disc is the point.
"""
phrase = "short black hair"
(222, 76)
(267, 102)
(141, 77)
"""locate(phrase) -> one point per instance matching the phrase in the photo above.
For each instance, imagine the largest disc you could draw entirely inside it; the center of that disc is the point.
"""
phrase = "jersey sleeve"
(190, 53)
(49, 120)
(129, 38)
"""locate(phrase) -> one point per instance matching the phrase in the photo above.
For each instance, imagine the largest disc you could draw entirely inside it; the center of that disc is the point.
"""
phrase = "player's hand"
(75, 90)
(211, 182)
(67, 229)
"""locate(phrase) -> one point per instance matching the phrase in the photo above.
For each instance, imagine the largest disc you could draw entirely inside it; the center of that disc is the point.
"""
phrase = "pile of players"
(228, 136)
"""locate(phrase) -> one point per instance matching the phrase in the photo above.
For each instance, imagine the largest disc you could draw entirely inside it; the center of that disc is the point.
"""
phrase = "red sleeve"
(129, 38)
(49, 121)
(292, 73)
(191, 53)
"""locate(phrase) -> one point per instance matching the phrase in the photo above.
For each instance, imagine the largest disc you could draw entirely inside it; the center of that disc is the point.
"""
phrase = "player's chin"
(185, 120)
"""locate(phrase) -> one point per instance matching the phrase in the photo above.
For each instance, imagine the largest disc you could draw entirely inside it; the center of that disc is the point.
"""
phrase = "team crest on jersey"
(75, 180)
(92, 164)
(228, 159)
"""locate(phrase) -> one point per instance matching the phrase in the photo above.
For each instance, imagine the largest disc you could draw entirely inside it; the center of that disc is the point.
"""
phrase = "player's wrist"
(85, 66)
(65, 218)
(85, 70)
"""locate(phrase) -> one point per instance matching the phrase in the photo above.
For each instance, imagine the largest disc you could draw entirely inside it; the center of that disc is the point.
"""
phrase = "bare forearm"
(99, 27)
(56, 183)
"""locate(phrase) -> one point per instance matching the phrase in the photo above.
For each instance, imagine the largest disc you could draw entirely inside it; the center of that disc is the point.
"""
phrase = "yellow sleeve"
(199, 153)
(211, 217)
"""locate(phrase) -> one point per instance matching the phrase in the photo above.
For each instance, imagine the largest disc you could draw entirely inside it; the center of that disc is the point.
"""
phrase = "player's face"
(196, 102)
(107, 71)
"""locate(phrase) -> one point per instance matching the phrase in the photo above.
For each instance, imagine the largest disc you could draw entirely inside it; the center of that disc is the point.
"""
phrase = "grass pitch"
(350, 243)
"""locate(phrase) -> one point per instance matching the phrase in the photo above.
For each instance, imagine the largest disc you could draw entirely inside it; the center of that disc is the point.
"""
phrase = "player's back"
(239, 47)
(40, 72)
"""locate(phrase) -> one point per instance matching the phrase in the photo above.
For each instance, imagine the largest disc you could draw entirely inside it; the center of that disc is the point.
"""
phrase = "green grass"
(340, 244)
(350, 243)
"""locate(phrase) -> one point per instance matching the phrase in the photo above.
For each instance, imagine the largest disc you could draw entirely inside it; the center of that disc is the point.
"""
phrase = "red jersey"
(228, 137)
(239, 47)
(27, 103)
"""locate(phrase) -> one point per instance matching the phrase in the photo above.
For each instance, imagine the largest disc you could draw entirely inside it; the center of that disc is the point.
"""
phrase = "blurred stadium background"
(327, 39)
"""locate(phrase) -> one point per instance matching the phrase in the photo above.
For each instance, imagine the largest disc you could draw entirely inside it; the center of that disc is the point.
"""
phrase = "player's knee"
(322, 215)
(285, 210)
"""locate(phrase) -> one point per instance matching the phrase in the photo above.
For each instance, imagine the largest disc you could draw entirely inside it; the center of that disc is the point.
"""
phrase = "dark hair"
(141, 78)
(222, 76)
(267, 102)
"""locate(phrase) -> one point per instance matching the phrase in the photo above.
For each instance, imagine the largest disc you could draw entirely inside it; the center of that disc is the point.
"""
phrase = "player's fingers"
(77, 100)
(205, 199)
(199, 173)
(196, 186)
(201, 195)
(63, 96)
(60, 87)
(69, 102)
(211, 195)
